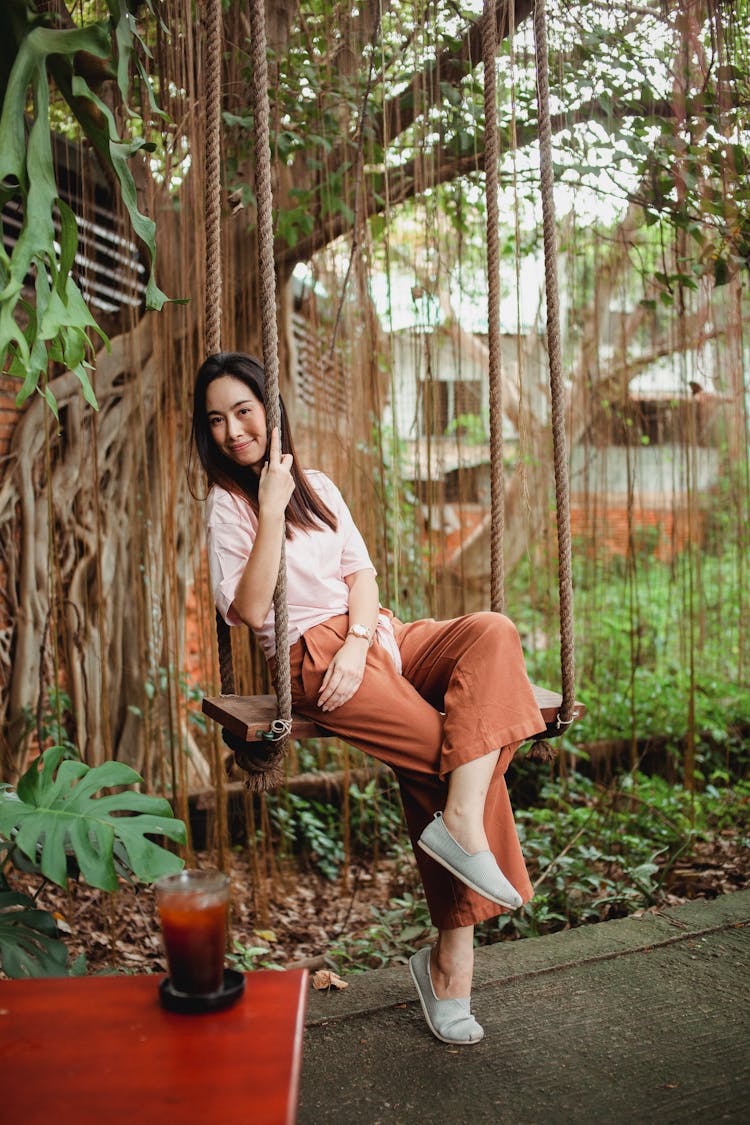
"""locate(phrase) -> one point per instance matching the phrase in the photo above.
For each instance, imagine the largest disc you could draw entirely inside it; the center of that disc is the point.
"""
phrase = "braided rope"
(212, 189)
(497, 481)
(562, 492)
(263, 192)
(213, 176)
(224, 646)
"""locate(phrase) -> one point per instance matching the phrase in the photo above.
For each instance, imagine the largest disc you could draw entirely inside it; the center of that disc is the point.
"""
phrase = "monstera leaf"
(29, 946)
(55, 813)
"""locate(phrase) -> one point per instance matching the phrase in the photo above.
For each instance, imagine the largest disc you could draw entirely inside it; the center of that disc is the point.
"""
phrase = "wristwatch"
(360, 631)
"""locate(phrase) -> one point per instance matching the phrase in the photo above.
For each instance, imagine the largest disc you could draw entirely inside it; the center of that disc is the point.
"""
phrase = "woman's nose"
(233, 426)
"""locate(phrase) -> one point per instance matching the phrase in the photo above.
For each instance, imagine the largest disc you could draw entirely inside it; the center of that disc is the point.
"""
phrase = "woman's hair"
(305, 509)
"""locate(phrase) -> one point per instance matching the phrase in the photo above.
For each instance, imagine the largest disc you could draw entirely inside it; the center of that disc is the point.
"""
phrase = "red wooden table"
(102, 1050)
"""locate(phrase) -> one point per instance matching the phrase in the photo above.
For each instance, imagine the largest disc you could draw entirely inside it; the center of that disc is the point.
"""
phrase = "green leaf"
(55, 813)
(68, 244)
(119, 154)
(29, 946)
(27, 172)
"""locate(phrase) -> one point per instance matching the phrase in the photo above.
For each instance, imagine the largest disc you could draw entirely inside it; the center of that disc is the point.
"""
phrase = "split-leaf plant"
(57, 823)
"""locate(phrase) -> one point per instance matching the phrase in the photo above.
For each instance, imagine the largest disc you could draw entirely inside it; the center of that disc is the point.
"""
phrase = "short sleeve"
(354, 553)
(231, 527)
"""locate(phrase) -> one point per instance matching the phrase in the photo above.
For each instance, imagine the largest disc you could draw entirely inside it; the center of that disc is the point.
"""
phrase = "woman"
(445, 704)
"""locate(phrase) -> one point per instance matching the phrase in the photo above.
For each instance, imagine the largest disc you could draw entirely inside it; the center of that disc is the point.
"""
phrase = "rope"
(268, 319)
(562, 492)
(497, 481)
(224, 645)
(212, 189)
(213, 177)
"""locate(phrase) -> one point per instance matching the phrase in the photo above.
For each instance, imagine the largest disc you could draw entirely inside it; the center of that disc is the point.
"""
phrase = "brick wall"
(658, 531)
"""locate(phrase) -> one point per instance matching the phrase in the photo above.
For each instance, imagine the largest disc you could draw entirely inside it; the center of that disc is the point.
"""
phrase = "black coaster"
(231, 989)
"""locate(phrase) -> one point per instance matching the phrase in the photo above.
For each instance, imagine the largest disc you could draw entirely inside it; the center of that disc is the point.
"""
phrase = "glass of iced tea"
(193, 909)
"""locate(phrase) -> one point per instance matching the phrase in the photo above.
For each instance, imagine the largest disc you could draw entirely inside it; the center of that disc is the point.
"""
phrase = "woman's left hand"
(344, 674)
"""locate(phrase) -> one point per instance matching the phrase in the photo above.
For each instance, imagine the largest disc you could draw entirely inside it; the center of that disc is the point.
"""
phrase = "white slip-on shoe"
(478, 871)
(450, 1021)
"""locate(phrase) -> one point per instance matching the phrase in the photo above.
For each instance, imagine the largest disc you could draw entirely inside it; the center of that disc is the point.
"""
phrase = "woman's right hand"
(254, 595)
(276, 483)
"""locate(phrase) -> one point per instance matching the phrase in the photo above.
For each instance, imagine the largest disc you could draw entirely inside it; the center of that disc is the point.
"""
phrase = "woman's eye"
(214, 421)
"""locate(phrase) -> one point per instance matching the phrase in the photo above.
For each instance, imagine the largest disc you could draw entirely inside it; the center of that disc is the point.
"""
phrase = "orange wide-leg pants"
(463, 693)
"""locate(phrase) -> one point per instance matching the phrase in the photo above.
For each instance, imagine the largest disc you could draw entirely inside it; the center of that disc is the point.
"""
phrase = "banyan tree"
(378, 137)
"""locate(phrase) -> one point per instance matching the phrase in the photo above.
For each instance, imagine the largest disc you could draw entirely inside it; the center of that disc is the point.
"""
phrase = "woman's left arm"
(345, 672)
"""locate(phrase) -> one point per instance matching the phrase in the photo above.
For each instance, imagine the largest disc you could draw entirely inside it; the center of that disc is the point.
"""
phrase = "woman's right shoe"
(450, 1021)
(478, 871)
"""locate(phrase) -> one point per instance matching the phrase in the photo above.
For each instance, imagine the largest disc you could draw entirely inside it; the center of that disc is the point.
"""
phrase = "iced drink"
(193, 911)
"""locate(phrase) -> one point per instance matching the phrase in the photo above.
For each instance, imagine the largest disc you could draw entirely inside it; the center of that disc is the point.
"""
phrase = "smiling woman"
(420, 696)
(237, 421)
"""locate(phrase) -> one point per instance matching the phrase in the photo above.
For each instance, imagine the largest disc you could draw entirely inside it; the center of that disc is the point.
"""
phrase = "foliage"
(53, 823)
(600, 853)
(634, 637)
(397, 931)
(56, 327)
(52, 725)
(55, 813)
(472, 429)
(248, 958)
(315, 830)
(29, 945)
(404, 554)
(594, 853)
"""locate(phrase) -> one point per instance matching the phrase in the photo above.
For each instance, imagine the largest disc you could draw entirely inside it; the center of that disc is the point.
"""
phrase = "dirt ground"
(298, 916)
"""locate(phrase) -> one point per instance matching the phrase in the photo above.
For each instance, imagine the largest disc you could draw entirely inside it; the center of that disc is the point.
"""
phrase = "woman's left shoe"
(478, 870)
(450, 1021)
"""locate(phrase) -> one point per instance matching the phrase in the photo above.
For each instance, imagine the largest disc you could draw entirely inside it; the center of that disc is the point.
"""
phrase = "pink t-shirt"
(317, 562)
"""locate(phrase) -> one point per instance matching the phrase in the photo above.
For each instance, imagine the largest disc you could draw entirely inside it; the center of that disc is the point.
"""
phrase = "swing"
(257, 727)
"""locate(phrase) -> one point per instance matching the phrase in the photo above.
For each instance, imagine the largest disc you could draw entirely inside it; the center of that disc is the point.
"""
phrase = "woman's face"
(237, 421)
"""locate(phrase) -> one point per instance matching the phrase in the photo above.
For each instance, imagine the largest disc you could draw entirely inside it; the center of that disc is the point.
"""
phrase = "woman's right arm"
(254, 594)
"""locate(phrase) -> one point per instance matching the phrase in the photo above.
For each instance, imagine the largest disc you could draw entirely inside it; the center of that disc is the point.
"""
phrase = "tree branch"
(429, 173)
(451, 66)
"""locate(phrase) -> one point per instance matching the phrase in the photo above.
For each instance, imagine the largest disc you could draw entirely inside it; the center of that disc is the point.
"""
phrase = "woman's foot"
(450, 1020)
(478, 870)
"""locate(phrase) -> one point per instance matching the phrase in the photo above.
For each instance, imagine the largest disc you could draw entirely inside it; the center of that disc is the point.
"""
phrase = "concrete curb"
(508, 961)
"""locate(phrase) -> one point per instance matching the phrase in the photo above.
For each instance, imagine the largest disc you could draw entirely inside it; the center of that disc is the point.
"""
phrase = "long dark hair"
(305, 509)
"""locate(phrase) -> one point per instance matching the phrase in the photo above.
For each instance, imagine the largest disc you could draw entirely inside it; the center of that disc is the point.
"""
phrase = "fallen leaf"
(326, 978)
(63, 926)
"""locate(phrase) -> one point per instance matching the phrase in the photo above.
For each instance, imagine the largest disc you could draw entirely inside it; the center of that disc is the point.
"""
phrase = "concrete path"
(635, 1021)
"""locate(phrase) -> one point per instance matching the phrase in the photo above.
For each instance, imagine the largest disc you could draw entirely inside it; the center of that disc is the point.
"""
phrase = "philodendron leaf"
(55, 812)
(29, 946)
(41, 52)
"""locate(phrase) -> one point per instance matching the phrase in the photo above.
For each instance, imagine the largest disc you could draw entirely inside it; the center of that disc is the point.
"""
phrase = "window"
(443, 402)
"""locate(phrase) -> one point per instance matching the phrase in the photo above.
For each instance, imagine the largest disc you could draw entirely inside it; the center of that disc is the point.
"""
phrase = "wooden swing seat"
(248, 716)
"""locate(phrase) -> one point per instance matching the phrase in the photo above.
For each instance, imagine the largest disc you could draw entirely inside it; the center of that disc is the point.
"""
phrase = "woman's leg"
(442, 976)
(452, 963)
(472, 669)
(468, 786)
(463, 694)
